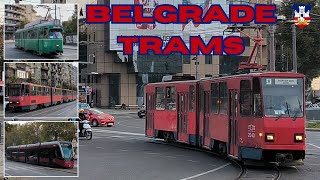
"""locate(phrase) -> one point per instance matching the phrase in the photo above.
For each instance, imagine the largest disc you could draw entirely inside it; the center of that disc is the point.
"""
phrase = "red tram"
(52, 154)
(256, 116)
(27, 96)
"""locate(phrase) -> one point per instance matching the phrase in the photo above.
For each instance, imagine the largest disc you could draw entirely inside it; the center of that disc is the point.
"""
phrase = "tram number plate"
(251, 135)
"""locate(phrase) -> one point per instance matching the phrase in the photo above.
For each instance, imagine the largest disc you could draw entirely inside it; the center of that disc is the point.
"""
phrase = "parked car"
(99, 118)
(84, 106)
(142, 112)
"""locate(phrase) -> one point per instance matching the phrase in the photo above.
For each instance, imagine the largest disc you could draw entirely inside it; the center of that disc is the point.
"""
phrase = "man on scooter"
(82, 117)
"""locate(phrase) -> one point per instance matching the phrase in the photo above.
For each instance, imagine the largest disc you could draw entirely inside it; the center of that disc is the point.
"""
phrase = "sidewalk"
(74, 47)
(118, 111)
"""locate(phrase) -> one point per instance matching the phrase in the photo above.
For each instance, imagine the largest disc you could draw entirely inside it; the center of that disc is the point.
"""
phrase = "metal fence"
(313, 114)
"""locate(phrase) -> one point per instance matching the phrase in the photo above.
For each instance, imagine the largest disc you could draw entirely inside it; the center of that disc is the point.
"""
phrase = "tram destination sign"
(286, 82)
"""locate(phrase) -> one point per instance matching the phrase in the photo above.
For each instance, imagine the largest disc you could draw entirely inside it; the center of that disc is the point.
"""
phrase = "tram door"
(150, 107)
(233, 124)
(206, 123)
(183, 117)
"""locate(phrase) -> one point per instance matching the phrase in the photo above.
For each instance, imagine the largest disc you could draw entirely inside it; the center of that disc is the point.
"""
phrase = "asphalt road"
(311, 168)
(12, 53)
(123, 152)
(23, 169)
(62, 110)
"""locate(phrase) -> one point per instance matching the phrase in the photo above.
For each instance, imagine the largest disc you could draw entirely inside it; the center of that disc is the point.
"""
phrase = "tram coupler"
(282, 158)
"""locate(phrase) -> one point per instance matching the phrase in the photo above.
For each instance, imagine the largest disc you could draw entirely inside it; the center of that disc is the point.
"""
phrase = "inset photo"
(41, 149)
(41, 90)
(41, 31)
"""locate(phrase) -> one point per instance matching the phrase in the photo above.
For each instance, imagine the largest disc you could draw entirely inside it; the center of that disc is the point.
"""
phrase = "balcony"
(44, 77)
(44, 67)
(15, 12)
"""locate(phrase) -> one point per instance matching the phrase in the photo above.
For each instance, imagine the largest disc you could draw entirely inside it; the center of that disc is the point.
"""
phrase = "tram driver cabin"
(41, 37)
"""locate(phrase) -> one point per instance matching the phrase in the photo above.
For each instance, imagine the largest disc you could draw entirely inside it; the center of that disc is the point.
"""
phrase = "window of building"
(171, 98)
(215, 98)
(208, 59)
(246, 41)
(192, 98)
(186, 59)
(160, 104)
(245, 98)
(208, 75)
(223, 98)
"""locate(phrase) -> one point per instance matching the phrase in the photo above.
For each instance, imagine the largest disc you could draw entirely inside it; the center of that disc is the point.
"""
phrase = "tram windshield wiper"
(288, 108)
(297, 112)
(287, 105)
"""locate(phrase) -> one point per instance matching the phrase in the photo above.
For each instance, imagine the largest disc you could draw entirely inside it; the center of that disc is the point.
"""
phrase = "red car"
(97, 117)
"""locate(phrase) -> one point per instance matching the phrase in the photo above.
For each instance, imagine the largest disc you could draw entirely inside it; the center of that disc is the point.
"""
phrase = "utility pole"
(294, 48)
(55, 11)
(272, 65)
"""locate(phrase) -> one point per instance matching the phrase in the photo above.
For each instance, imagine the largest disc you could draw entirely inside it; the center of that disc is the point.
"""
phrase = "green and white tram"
(43, 38)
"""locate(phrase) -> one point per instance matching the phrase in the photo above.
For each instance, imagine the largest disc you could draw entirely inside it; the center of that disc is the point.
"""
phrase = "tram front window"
(15, 90)
(55, 34)
(67, 151)
(283, 97)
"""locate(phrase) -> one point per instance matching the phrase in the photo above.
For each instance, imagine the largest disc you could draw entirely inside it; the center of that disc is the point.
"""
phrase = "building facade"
(118, 79)
(14, 17)
(53, 1)
(63, 75)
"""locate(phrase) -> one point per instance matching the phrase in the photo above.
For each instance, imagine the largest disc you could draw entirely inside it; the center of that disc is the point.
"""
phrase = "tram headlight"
(298, 137)
(57, 45)
(269, 137)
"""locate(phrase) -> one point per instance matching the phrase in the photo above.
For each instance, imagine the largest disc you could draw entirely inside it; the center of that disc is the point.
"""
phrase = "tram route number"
(251, 131)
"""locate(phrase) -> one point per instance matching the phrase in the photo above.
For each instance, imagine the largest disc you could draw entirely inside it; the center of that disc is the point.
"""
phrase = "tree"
(71, 25)
(308, 53)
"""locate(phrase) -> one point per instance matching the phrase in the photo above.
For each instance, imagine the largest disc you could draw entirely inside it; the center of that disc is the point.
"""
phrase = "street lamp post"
(196, 63)
(294, 48)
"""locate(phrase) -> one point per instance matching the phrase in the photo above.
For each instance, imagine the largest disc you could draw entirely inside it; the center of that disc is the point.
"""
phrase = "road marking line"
(124, 150)
(171, 157)
(152, 153)
(192, 161)
(120, 132)
(207, 172)
(312, 164)
(99, 147)
(314, 145)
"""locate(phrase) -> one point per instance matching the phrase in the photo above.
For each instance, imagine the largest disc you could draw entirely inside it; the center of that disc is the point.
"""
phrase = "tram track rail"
(245, 171)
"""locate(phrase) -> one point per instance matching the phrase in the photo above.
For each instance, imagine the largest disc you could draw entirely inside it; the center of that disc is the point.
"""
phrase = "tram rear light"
(298, 137)
(269, 137)
(260, 134)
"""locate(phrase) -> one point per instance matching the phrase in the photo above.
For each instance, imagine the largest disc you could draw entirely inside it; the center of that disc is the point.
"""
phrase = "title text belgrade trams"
(183, 14)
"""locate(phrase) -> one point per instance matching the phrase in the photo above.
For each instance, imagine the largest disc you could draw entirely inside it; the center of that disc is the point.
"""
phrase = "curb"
(313, 129)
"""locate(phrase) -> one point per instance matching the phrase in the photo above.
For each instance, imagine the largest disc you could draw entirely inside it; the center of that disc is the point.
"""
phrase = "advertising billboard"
(166, 31)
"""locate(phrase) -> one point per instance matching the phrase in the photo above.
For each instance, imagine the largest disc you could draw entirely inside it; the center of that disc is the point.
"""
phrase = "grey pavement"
(62, 110)
(12, 53)
(13, 168)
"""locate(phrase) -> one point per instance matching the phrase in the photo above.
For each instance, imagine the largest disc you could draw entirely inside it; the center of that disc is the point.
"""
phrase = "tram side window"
(160, 98)
(245, 98)
(257, 104)
(191, 102)
(27, 89)
(44, 153)
(171, 98)
(33, 91)
(215, 98)
(45, 33)
(223, 91)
